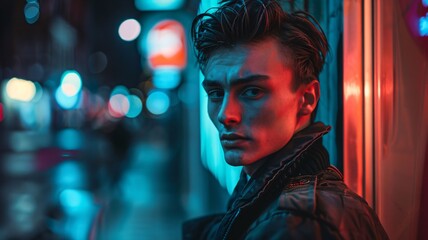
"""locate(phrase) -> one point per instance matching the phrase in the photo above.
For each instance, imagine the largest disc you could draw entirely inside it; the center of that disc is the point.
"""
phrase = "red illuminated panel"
(1, 112)
(166, 45)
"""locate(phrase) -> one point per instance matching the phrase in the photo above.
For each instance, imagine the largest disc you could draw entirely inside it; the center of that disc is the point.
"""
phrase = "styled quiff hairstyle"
(251, 21)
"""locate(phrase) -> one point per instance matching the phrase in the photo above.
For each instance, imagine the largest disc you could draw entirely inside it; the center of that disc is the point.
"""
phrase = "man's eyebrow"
(239, 81)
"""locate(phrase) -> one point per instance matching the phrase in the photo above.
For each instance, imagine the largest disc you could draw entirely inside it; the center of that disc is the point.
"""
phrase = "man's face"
(251, 101)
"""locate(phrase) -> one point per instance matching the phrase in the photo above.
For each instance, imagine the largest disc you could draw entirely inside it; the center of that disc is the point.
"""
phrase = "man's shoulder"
(323, 193)
(323, 199)
(323, 203)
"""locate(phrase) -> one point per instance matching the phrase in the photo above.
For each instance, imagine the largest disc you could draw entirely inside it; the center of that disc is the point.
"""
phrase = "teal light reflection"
(212, 152)
(423, 25)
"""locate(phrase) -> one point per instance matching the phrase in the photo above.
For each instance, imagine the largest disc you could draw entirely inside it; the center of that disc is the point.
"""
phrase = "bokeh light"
(166, 46)
(73, 198)
(157, 102)
(118, 105)
(71, 83)
(66, 102)
(135, 106)
(31, 11)
(20, 89)
(69, 174)
(165, 42)
(423, 25)
(129, 29)
(120, 90)
(70, 139)
(166, 77)
(97, 62)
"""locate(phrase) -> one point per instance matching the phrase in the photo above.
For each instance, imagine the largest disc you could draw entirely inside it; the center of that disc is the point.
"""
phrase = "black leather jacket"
(294, 195)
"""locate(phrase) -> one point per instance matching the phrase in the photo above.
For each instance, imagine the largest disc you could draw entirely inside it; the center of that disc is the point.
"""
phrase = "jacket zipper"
(230, 224)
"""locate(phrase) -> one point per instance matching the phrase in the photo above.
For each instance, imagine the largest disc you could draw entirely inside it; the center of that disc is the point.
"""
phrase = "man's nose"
(230, 112)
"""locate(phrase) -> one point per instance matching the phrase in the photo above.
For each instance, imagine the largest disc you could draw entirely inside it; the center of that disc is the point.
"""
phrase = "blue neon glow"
(157, 102)
(72, 198)
(67, 102)
(423, 25)
(425, 3)
(135, 106)
(151, 5)
(69, 174)
(166, 78)
(212, 153)
(80, 211)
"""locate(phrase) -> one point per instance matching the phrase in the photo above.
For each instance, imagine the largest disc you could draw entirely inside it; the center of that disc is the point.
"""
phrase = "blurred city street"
(99, 121)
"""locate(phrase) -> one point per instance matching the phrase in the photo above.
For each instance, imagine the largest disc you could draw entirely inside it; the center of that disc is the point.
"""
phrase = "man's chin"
(233, 158)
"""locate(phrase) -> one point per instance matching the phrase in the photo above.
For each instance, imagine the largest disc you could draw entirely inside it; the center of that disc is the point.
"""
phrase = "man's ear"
(310, 97)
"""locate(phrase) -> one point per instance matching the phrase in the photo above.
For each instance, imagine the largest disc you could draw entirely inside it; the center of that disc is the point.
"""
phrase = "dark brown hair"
(251, 21)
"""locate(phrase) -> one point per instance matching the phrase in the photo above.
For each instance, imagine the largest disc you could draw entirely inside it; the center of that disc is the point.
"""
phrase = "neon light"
(151, 5)
(1, 112)
(166, 78)
(166, 45)
(423, 25)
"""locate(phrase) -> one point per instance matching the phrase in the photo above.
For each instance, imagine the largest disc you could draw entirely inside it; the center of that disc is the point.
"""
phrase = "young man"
(261, 68)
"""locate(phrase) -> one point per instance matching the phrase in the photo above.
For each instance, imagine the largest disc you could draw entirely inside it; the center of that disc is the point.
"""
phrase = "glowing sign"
(158, 4)
(166, 45)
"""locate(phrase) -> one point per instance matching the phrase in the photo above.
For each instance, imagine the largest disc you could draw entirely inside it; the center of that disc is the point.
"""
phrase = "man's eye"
(253, 92)
(215, 94)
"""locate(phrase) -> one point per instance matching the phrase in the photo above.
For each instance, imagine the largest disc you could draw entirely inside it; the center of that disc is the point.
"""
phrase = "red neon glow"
(1, 112)
(166, 45)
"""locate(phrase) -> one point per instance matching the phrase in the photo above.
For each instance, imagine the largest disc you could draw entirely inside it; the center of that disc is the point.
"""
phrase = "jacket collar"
(273, 169)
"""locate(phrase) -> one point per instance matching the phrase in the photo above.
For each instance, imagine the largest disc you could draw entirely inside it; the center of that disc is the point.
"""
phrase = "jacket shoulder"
(320, 206)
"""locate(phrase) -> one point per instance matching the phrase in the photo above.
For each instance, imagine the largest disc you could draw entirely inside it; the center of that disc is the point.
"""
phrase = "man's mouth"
(233, 140)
